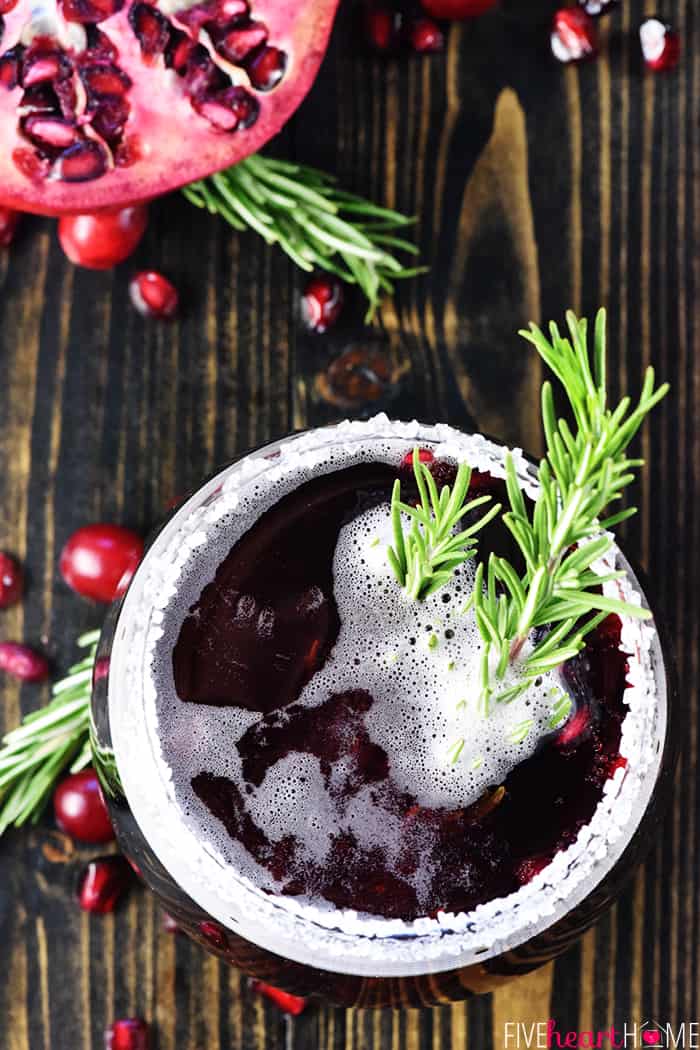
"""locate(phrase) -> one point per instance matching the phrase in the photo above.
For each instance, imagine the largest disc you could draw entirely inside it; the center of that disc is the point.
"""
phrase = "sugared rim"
(342, 940)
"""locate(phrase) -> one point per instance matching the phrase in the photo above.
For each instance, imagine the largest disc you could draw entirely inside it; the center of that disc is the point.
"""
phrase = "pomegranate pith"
(11, 581)
(22, 662)
(98, 561)
(8, 226)
(103, 239)
(104, 103)
(456, 10)
(129, 1033)
(154, 295)
(80, 810)
(103, 883)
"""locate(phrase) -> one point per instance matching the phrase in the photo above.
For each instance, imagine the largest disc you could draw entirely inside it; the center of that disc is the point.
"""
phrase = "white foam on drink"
(142, 703)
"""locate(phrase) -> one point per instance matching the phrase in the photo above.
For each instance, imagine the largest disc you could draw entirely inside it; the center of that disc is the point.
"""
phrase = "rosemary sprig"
(318, 225)
(425, 556)
(582, 474)
(48, 741)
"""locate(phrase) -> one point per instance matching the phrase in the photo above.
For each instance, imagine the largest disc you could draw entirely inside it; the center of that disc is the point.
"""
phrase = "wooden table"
(537, 188)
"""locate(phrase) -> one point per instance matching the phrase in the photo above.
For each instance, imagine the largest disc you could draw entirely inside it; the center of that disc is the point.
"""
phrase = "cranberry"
(321, 303)
(11, 581)
(574, 35)
(596, 8)
(661, 45)
(291, 1004)
(382, 25)
(153, 295)
(8, 225)
(98, 561)
(424, 455)
(425, 36)
(80, 810)
(23, 662)
(130, 1033)
(457, 9)
(103, 883)
(101, 240)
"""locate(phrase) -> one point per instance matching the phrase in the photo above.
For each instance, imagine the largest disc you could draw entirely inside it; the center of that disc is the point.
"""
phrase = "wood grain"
(535, 188)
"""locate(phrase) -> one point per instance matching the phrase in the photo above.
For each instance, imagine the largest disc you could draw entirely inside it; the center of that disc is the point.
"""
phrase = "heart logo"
(652, 1037)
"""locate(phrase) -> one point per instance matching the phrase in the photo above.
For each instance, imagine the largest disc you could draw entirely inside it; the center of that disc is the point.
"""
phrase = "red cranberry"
(154, 295)
(291, 1004)
(11, 581)
(574, 35)
(101, 240)
(457, 9)
(596, 8)
(103, 883)
(424, 455)
(322, 303)
(22, 662)
(131, 1033)
(425, 36)
(98, 561)
(661, 45)
(8, 225)
(80, 810)
(382, 25)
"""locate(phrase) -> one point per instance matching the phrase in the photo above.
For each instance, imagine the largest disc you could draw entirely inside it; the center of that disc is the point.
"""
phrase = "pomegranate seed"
(11, 575)
(130, 1033)
(574, 35)
(457, 9)
(425, 36)
(229, 109)
(81, 162)
(527, 869)
(22, 662)
(267, 68)
(152, 30)
(169, 924)
(90, 12)
(103, 883)
(572, 730)
(424, 455)
(596, 8)
(6, 6)
(661, 45)
(291, 1004)
(382, 26)
(153, 295)
(238, 43)
(80, 809)
(213, 933)
(10, 64)
(103, 239)
(322, 303)
(105, 80)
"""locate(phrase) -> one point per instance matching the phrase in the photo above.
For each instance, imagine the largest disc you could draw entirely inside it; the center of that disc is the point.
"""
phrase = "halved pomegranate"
(107, 102)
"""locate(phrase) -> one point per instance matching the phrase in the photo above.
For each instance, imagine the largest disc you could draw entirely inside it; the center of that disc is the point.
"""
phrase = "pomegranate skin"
(457, 10)
(80, 809)
(129, 1033)
(22, 662)
(99, 560)
(291, 1004)
(11, 581)
(103, 239)
(143, 129)
(8, 226)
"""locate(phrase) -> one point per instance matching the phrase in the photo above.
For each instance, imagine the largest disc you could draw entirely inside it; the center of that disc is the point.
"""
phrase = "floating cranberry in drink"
(369, 712)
